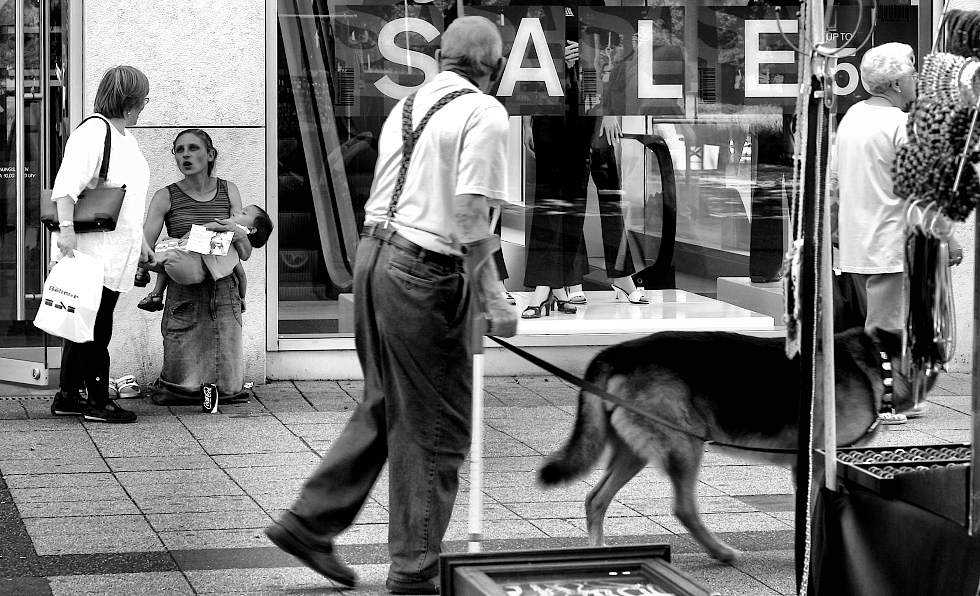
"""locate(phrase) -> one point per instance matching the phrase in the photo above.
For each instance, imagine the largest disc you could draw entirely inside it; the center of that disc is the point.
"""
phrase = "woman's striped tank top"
(185, 211)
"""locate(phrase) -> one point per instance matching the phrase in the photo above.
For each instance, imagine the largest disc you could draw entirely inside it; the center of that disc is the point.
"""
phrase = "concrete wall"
(206, 63)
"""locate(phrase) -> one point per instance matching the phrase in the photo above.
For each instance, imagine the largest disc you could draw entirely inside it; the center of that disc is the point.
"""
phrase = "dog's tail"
(588, 438)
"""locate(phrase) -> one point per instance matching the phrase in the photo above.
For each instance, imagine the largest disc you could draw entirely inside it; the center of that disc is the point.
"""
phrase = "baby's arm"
(239, 273)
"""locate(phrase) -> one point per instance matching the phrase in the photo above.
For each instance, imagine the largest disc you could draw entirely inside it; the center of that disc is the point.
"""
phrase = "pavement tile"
(284, 580)
(60, 480)
(173, 476)
(282, 460)
(12, 410)
(565, 510)
(229, 519)
(139, 441)
(52, 466)
(122, 584)
(315, 432)
(775, 569)
(71, 444)
(98, 507)
(665, 506)
(364, 534)
(85, 535)
(496, 528)
(194, 504)
(261, 475)
(156, 462)
(727, 522)
(627, 526)
(145, 494)
(461, 511)
(214, 539)
(748, 480)
(71, 493)
(532, 494)
(558, 528)
(722, 578)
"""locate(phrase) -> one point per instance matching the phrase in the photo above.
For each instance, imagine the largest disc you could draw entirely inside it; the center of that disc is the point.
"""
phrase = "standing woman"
(121, 96)
(202, 323)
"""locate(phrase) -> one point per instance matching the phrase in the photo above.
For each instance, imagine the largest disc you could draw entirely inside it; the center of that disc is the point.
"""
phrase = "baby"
(174, 261)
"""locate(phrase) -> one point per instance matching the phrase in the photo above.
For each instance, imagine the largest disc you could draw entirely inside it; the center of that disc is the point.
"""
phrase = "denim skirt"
(202, 337)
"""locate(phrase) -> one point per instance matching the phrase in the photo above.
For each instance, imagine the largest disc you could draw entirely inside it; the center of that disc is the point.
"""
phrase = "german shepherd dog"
(724, 387)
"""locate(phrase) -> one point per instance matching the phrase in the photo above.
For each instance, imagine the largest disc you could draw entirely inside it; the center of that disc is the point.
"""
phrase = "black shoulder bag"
(97, 209)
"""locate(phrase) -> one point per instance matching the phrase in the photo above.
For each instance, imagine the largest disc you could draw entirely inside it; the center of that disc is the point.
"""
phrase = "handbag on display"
(97, 209)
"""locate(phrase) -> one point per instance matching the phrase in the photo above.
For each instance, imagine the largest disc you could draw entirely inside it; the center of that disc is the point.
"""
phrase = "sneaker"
(397, 586)
(917, 411)
(891, 418)
(68, 403)
(109, 412)
(324, 562)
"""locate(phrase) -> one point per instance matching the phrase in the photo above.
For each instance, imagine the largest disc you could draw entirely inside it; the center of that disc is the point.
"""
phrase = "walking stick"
(475, 524)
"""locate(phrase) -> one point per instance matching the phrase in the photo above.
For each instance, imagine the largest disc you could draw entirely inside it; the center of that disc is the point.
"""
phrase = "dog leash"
(619, 401)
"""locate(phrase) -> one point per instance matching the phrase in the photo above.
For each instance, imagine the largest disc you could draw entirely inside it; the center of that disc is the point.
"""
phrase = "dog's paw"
(725, 554)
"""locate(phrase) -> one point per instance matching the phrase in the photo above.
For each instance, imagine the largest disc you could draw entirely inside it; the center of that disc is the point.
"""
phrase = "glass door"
(34, 114)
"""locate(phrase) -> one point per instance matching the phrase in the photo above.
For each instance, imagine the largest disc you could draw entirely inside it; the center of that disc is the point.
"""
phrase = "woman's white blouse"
(119, 249)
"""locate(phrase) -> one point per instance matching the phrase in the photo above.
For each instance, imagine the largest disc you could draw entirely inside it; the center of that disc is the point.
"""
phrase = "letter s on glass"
(404, 56)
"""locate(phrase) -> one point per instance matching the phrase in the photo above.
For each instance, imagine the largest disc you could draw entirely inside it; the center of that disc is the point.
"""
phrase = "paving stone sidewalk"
(176, 503)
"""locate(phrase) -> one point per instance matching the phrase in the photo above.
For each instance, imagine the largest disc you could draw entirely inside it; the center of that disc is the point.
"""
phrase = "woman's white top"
(119, 249)
(871, 220)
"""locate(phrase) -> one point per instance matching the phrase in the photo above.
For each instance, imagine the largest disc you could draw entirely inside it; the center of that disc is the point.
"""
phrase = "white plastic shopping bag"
(71, 298)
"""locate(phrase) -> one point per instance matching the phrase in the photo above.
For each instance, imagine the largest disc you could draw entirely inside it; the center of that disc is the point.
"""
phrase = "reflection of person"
(605, 169)
(871, 218)
(202, 322)
(556, 253)
(119, 100)
(186, 267)
(425, 235)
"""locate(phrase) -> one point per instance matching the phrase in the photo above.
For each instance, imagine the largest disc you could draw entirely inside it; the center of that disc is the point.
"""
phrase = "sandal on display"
(536, 312)
(124, 387)
(152, 303)
(637, 296)
(576, 297)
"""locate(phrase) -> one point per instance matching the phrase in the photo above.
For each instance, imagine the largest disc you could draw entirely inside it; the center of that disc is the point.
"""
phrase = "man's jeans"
(412, 333)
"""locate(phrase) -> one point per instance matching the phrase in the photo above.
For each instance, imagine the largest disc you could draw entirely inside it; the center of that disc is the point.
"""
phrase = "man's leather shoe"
(396, 586)
(324, 562)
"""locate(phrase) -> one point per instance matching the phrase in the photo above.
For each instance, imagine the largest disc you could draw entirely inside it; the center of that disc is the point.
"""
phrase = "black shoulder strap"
(107, 146)
(409, 137)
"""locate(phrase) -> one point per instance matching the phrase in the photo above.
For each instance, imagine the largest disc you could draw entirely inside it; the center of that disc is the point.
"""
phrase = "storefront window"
(664, 152)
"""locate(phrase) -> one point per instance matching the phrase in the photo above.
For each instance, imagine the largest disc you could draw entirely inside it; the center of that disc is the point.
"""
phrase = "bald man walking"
(441, 162)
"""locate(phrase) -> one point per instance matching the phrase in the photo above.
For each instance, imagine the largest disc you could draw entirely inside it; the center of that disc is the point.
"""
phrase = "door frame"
(31, 365)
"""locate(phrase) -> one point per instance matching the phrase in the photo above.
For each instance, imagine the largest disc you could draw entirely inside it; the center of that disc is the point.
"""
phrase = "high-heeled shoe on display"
(637, 296)
(545, 308)
(576, 297)
(536, 312)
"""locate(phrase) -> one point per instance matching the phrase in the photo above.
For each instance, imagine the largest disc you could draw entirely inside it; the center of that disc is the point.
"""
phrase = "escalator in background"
(335, 89)
(34, 112)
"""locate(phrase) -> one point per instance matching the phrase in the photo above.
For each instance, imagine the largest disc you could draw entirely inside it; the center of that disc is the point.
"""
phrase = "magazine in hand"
(207, 242)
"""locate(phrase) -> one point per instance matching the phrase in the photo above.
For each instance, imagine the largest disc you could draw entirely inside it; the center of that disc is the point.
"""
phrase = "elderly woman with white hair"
(871, 228)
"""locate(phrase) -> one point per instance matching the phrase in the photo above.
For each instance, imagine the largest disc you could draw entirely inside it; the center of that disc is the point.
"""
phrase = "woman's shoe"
(534, 312)
(510, 298)
(576, 297)
(637, 296)
(108, 412)
(152, 303)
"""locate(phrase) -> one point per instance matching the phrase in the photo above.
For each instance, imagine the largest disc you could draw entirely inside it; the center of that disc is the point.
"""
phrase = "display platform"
(667, 310)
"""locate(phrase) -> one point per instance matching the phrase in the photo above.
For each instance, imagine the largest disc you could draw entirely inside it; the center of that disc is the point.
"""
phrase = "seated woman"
(202, 322)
